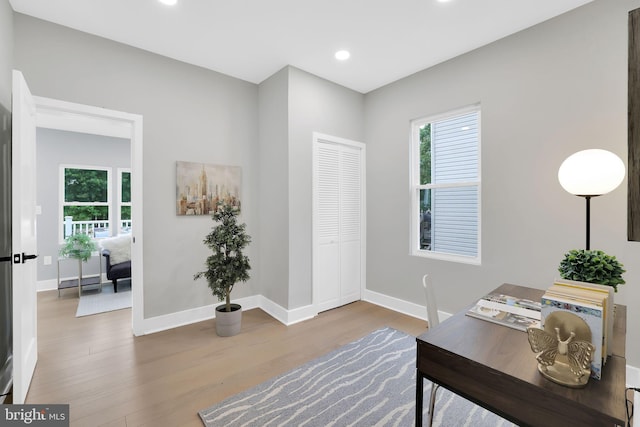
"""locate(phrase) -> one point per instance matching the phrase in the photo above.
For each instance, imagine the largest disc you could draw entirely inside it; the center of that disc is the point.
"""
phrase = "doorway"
(338, 221)
(65, 116)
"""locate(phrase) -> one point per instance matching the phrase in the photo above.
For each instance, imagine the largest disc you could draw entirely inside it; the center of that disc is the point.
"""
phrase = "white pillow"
(119, 246)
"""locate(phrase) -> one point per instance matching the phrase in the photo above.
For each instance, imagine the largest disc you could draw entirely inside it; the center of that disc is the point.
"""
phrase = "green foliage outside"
(425, 165)
(85, 185)
(126, 187)
(125, 212)
(227, 265)
(593, 266)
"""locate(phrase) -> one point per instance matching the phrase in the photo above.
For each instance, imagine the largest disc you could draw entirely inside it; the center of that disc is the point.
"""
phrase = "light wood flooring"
(109, 377)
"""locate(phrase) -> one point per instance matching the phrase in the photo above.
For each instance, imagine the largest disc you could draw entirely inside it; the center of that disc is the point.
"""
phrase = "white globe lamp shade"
(591, 172)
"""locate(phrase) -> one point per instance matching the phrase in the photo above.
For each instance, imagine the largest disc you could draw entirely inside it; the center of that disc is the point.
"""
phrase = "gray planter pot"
(228, 323)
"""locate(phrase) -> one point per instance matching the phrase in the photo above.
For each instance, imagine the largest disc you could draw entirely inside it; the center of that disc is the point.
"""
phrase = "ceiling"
(252, 39)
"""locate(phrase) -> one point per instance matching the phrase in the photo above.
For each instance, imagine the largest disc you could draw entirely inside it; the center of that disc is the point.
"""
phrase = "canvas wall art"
(201, 187)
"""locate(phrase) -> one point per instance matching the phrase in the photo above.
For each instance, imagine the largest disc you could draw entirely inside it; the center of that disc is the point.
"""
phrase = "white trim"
(284, 316)
(62, 115)
(47, 285)
(401, 306)
(120, 203)
(415, 186)
(62, 193)
(69, 116)
(194, 315)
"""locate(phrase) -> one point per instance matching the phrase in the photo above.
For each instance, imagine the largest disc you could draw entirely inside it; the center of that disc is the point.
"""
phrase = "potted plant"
(78, 246)
(226, 266)
(593, 266)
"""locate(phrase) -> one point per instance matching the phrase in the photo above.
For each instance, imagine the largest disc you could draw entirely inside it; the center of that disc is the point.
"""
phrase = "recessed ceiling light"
(342, 55)
(168, 2)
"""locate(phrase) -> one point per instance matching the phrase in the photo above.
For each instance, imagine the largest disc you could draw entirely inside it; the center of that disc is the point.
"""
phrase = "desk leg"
(419, 391)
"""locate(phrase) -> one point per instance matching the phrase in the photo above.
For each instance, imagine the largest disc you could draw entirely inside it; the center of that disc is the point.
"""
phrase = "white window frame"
(120, 203)
(415, 187)
(61, 196)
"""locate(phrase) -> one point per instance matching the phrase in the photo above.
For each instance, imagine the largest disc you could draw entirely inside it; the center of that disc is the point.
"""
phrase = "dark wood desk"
(494, 367)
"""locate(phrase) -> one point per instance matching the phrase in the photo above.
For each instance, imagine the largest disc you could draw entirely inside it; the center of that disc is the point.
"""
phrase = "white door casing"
(72, 117)
(24, 271)
(338, 221)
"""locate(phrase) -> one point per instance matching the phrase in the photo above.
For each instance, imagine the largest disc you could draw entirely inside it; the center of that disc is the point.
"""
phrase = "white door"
(23, 151)
(338, 249)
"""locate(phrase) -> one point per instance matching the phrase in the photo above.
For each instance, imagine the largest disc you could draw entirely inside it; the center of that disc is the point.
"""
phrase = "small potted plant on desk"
(593, 266)
(226, 266)
(78, 246)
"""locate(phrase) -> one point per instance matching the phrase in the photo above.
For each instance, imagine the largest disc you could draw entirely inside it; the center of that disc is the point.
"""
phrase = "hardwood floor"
(109, 377)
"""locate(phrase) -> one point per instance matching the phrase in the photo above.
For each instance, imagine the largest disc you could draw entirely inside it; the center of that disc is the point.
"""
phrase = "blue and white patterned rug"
(369, 382)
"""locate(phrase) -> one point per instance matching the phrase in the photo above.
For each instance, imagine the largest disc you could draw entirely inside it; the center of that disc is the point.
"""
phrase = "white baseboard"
(290, 317)
(187, 317)
(47, 285)
(194, 315)
(401, 306)
(287, 317)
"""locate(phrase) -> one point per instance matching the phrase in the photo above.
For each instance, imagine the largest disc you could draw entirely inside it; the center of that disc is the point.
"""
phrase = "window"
(445, 185)
(85, 207)
(124, 201)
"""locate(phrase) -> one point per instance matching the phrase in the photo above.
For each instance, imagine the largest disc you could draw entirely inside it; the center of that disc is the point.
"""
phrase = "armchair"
(117, 252)
(121, 270)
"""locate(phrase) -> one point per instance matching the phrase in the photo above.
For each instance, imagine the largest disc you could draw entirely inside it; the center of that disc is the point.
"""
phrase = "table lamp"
(591, 173)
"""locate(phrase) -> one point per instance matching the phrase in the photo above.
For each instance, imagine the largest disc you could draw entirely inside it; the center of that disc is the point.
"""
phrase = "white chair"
(432, 318)
(432, 307)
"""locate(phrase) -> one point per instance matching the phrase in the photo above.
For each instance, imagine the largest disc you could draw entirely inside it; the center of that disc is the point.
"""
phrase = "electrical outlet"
(38, 210)
(47, 260)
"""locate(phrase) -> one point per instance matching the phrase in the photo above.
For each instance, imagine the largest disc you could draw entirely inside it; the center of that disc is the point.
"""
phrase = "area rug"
(93, 301)
(369, 382)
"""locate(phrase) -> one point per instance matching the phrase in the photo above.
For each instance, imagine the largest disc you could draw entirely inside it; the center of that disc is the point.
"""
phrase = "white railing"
(95, 228)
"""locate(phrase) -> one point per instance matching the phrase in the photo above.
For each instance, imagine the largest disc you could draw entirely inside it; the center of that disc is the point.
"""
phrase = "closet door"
(338, 222)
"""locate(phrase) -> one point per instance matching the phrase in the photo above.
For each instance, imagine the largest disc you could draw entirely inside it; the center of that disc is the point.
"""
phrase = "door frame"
(319, 138)
(68, 116)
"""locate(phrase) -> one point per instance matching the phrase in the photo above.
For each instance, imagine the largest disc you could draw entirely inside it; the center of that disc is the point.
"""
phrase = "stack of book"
(594, 304)
(517, 313)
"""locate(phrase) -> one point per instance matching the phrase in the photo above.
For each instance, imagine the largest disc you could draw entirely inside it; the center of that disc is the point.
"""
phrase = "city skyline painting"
(200, 187)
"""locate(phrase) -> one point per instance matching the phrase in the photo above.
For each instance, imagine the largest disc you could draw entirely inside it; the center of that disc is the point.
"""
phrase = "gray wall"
(293, 105)
(6, 52)
(54, 148)
(190, 114)
(315, 105)
(546, 93)
(274, 179)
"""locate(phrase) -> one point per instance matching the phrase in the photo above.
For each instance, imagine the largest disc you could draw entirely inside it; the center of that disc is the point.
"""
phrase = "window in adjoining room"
(85, 195)
(445, 185)
(124, 201)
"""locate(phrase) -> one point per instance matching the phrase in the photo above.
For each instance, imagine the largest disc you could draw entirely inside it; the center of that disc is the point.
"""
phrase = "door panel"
(328, 277)
(350, 280)
(25, 345)
(338, 222)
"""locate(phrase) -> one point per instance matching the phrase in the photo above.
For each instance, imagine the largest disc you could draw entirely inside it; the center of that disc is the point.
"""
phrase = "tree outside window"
(85, 200)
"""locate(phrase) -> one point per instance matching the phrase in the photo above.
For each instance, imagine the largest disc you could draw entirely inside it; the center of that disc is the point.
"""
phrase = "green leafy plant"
(78, 246)
(227, 265)
(593, 266)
